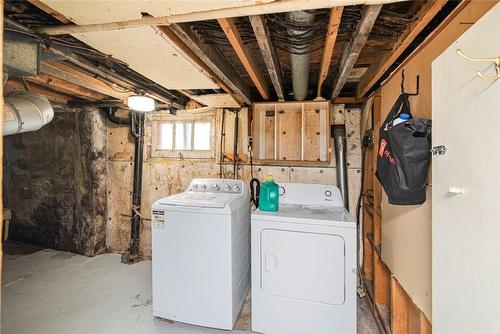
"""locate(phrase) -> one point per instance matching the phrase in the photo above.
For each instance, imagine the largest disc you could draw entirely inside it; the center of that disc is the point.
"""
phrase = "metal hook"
(403, 85)
(495, 60)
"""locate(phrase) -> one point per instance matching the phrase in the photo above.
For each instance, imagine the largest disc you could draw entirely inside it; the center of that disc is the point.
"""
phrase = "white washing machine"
(201, 253)
(304, 264)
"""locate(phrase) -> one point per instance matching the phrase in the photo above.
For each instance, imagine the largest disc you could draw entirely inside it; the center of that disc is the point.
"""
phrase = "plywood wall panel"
(312, 135)
(406, 231)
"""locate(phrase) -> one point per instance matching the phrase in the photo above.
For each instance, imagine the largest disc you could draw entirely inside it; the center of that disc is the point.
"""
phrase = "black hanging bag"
(404, 155)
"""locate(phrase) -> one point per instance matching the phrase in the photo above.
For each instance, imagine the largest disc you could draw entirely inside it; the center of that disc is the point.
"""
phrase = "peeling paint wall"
(163, 177)
(55, 183)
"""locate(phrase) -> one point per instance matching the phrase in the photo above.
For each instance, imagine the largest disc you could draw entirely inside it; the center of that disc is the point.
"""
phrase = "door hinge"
(438, 150)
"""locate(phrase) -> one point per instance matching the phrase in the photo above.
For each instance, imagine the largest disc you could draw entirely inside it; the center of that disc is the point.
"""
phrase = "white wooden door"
(466, 185)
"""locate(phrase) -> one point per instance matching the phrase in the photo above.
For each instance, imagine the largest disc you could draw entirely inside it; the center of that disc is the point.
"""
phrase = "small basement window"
(183, 136)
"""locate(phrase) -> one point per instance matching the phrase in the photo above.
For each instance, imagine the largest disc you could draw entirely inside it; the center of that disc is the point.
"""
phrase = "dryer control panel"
(216, 186)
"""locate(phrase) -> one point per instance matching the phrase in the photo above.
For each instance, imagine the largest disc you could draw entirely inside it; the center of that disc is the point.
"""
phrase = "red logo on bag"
(383, 144)
(383, 152)
(389, 156)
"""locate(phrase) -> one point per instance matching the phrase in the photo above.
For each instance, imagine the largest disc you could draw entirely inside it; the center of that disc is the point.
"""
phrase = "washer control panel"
(216, 186)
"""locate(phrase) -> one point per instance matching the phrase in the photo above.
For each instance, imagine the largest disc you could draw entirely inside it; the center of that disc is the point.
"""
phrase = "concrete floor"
(58, 293)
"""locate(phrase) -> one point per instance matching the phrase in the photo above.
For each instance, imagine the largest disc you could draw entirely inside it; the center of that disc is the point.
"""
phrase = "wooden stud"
(413, 319)
(383, 63)
(377, 187)
(381, 280)
(268, 54)
(66, 73)
(65, 87)
(331, 37)
(425, 325)
(354, 47)
(212, 59)
(367, 245)
(399, 308)
(245, 55)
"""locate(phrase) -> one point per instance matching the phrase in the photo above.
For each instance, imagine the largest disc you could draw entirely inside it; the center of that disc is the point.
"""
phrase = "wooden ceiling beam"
(385, 61)
(190, 54)
(331, 38)
(268, 54)
(354, 47)
(211, 58)
(66, 87)
(66, 73)
(245, 55)
(245, 8)
(15, 85)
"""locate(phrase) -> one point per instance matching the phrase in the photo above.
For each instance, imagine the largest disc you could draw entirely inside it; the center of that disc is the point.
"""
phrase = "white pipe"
(25, 111)
(277, 6)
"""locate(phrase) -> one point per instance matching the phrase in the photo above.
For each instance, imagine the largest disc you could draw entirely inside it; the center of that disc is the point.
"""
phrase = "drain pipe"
(341, 163)
(136, 123)
(300, 58)
(132, 255)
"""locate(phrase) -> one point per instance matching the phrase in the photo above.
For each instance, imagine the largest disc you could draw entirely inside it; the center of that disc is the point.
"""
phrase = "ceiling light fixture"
(141, 103)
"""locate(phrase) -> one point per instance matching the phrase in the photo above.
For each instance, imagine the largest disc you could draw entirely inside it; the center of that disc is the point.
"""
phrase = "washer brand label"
(158, 219)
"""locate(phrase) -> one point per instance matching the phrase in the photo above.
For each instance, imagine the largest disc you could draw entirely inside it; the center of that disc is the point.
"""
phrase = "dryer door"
(304, 266)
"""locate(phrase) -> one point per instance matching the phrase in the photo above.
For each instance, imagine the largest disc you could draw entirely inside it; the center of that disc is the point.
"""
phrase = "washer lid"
(309, 214)
(199, 199)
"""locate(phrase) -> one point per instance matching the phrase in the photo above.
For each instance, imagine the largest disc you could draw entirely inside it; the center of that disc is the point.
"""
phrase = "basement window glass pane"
(165, 138)
(202, 134)
(183, 135)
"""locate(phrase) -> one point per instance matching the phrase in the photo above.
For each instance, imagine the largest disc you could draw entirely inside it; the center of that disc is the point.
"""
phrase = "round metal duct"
(25, 111)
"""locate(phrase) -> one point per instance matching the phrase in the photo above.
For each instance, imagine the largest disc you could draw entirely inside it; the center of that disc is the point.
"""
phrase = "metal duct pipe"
(25, 111)
(341, 163)
(301, 61)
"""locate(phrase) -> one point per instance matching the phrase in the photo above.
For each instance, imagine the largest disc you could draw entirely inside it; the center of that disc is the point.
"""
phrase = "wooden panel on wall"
(290, 134)
(406, 231)
(311, 135)
(270, 147)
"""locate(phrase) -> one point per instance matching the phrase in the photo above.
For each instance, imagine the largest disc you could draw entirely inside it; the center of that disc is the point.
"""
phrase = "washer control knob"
(195, 186)
(227, 187)
(236, 188)
(203, 186)
(215, 186)
(328, 193)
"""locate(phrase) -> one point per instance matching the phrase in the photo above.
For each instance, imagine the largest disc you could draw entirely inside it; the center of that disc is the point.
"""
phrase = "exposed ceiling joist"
(382, 64)
(354, 47)
(15, 85)
(331, 37)
(212, 59)
(245, 55)
(66, 87)
(71, 75)
(264, 7)
(268, 54)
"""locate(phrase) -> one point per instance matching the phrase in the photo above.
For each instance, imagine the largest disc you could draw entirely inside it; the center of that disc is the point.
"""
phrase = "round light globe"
(141, 103)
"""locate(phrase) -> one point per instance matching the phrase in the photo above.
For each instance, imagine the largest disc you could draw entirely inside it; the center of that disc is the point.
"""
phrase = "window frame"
(157, 152)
